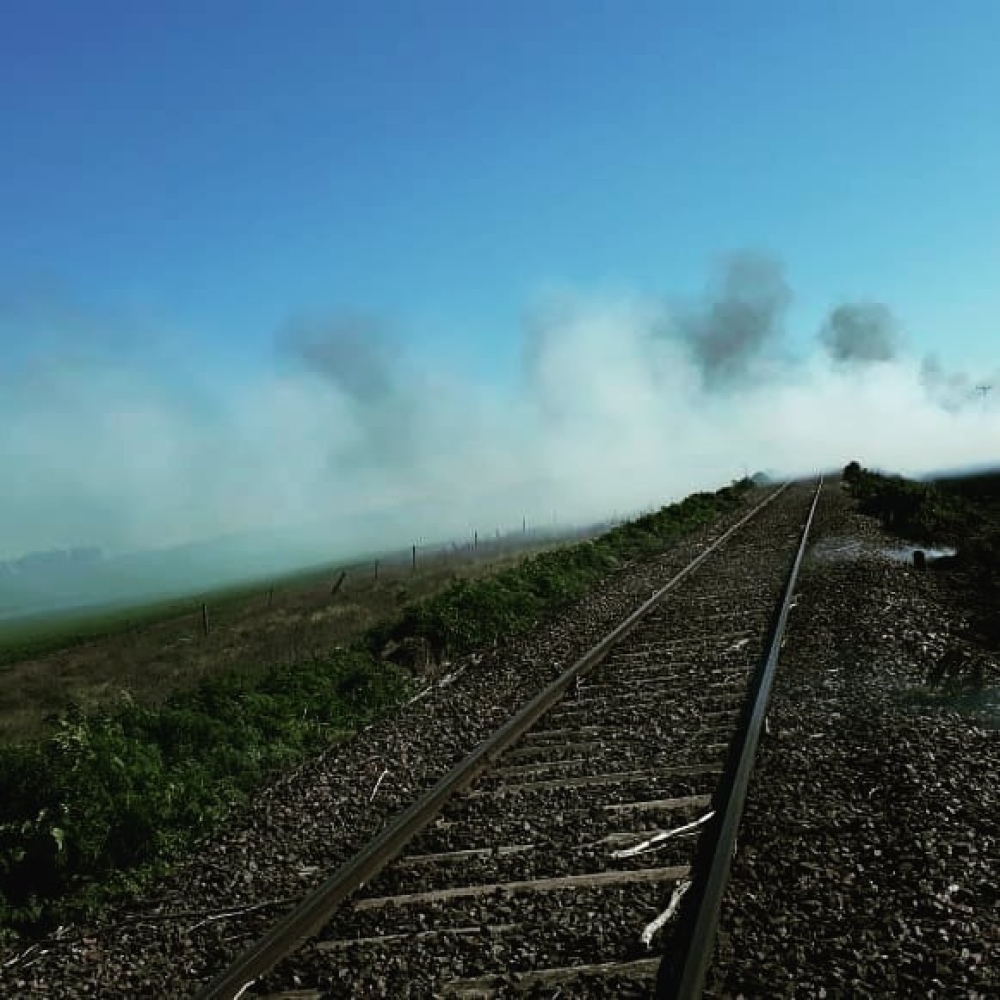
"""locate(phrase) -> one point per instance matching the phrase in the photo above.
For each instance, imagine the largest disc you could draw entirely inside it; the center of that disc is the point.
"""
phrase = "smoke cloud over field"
(354, 356)
(348, 443)
(740, 318)
(862, 333)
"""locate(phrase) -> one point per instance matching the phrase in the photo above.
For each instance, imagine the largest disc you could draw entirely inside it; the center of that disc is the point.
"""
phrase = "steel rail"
(316, 909)
(682, 976)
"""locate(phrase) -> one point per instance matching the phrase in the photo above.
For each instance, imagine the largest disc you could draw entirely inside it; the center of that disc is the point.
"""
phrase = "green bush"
(852, 472)
(962, 511)
(921, 512)
(112, 791)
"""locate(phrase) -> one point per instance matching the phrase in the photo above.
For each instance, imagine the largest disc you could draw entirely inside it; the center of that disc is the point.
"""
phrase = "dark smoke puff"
(739, 318)
(862, 333)
(954, 390)
(350, 352)
(355, 355)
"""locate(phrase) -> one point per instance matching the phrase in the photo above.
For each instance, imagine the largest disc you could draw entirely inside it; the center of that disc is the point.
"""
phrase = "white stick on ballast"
(651, 928)
(381, 778)
(631, 852)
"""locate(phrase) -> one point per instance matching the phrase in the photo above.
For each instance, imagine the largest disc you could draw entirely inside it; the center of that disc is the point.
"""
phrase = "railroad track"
(582, 850)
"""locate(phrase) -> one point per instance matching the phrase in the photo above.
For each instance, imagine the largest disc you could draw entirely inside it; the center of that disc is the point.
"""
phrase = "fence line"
(472, 548)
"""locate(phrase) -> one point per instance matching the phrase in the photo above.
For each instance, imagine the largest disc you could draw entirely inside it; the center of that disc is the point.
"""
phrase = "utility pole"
(984, 391)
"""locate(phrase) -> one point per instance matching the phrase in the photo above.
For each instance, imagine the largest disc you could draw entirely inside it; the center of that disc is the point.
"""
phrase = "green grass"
(41, 634)
(37, 635)
(165, 652)
(113, 795)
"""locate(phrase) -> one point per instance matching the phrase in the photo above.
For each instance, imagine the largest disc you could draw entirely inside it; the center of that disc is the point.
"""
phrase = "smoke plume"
(346, 443)
(355, 356)
(740, 317)
(861, 333)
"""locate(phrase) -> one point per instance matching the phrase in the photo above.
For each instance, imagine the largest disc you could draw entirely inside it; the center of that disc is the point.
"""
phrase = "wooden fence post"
(204, 618)
(338, 583)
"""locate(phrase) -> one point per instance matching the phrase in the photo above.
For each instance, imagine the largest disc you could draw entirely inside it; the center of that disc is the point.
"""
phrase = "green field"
(35, 634)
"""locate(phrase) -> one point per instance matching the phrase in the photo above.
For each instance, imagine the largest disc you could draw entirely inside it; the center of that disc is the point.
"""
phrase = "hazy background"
(329, 278)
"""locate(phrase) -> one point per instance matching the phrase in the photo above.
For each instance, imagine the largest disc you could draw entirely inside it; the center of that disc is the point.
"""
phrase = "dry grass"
(247, 632)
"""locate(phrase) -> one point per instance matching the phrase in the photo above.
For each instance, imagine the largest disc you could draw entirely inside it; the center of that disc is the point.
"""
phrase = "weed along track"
(562, 851)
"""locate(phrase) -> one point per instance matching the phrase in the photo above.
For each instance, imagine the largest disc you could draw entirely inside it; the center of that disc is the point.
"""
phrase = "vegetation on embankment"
(469, 615)
(919, 511)
(111, 795)
(979, 543)
(962, 511)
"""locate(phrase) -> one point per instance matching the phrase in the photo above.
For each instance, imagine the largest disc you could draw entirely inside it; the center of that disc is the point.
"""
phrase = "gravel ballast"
(869, 854)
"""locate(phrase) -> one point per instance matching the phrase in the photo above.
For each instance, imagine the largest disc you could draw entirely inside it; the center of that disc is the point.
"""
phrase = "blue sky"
(224, 166)
(179, 181)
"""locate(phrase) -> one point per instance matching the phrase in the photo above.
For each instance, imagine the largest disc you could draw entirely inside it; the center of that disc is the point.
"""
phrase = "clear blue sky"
(225, 165)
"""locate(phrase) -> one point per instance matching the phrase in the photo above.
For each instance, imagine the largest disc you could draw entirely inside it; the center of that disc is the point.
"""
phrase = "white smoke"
(349, 444)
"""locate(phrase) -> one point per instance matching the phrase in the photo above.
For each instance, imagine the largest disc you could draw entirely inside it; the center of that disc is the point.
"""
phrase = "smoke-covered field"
(348, 442)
